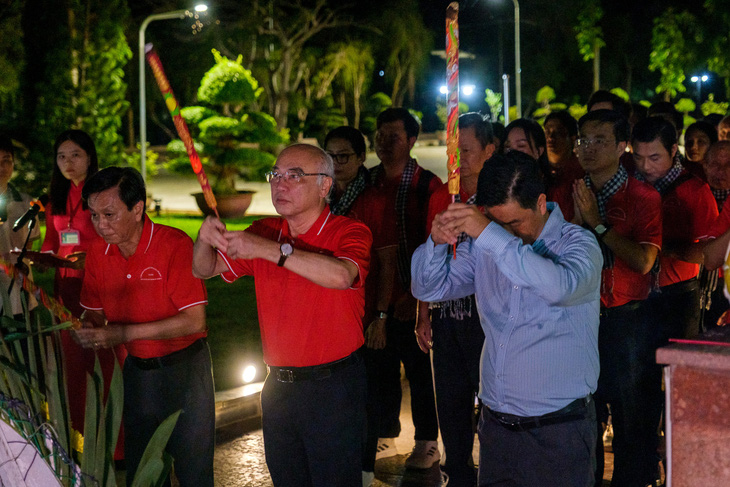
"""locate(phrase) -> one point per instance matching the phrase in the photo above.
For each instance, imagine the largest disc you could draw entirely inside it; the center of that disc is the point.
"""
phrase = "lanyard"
(73, 212)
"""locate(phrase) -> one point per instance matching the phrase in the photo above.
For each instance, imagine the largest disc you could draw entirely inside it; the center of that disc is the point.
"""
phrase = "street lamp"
(175, 14)
(518, 68)
(699, 80)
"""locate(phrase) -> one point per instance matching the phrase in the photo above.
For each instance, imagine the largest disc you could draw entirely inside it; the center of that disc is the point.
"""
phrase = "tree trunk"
(596, 67)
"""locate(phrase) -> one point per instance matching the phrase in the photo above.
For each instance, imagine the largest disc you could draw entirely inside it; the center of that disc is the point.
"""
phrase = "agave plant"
(34, 402)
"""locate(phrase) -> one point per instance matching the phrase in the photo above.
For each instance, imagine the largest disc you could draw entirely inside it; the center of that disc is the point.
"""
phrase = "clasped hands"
(458, 218)
(235, 244)
(97, 333)
(586, 205)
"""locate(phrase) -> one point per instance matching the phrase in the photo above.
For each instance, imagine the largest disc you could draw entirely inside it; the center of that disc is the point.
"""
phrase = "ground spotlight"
(249, 374)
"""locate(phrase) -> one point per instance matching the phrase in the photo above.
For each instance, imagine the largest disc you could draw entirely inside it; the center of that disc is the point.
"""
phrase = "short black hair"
(713, 119)
(481, 125)
(706, 127)
(513, 175)
(127, 179)
(394, 114)
(605, 96)
(650, 128)
(667, 111)
(566, 120)
(621, 129)
(6, 144)
(350, 134)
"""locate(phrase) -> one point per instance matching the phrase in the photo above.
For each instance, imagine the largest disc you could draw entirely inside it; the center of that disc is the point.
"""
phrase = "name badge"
(70, 237)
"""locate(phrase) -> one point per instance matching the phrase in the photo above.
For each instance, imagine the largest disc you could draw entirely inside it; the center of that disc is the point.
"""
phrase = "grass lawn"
(234, 337)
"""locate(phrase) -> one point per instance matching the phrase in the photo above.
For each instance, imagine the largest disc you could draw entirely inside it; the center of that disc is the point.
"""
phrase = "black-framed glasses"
(342, 157)
(290, 176)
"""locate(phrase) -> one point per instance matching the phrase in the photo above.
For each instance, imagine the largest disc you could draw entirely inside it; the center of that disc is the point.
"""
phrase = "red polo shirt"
(302, 323)
(376, 207)
(559, 187)
(688, 212)
(440, 200)
(722, 222)
(155, 283)
(633, 212)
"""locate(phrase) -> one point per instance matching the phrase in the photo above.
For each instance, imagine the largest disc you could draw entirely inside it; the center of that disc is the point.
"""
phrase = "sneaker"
(368, 479)
(386, 448)
(444, 479)
(424, 455)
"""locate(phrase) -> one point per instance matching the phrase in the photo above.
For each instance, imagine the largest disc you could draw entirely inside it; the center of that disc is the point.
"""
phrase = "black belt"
(629, 307)
(679, 287)
(572, 412)
(169, 359)
(314, 372)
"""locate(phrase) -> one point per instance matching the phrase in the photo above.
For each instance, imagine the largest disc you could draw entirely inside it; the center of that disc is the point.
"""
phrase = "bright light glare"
(468, 89)
(694, 79)
(249, 374)
(443, 89)
(201, 7)
(704, 78)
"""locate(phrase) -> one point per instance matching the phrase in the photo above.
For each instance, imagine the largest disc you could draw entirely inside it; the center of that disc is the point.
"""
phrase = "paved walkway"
(240, 461)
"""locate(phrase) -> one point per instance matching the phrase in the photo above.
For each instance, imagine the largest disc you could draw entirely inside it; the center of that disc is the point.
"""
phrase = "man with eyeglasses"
(309, 268)
(625, 216)
(688, 212)
(395, 207)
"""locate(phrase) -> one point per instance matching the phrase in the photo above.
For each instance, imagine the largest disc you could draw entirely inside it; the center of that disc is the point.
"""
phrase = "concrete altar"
(697, 422)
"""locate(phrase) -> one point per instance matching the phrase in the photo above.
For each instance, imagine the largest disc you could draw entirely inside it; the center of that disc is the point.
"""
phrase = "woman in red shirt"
(69, 233)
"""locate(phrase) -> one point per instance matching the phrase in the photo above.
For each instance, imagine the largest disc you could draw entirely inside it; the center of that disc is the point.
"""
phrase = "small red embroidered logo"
(150, 274)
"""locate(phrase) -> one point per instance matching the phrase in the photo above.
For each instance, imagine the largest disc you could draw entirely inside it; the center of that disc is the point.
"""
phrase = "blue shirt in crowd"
(538, 305)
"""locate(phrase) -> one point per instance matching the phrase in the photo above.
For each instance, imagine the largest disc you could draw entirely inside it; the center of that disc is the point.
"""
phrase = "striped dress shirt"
(539, 308)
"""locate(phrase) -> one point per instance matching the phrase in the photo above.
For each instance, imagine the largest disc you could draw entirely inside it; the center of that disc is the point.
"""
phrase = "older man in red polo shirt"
(139, 283)
(309, 267)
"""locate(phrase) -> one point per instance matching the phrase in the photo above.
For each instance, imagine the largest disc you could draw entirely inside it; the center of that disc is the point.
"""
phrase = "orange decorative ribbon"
(182, 128)
(56, 308)
(452, 101)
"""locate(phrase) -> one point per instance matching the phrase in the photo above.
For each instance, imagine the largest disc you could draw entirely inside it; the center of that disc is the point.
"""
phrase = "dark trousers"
(402, 346)
(150, 396)
(627, 380)
(557, 455)
(314, 429)
(457, 348)
(673, 313)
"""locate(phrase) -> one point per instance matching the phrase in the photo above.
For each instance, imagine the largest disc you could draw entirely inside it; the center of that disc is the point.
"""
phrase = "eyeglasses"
(342, 157)
(585, 144)
(290, 176)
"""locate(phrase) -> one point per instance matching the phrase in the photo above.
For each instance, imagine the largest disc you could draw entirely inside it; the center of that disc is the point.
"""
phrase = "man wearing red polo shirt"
(139, 283)
(309, 267)
(625, 216)
(688, 211)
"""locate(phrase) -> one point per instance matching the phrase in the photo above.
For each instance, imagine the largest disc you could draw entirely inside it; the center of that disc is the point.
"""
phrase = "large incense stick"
(182, 128)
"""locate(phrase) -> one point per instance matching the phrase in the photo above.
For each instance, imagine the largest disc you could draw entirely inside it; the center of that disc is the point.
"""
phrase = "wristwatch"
(286, 250)
(601, 230)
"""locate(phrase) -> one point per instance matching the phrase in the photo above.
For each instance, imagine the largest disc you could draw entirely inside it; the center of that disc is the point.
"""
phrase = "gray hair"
(325, 164)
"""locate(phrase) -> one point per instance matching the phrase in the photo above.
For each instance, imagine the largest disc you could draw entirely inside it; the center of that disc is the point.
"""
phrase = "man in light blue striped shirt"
(536, 279)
